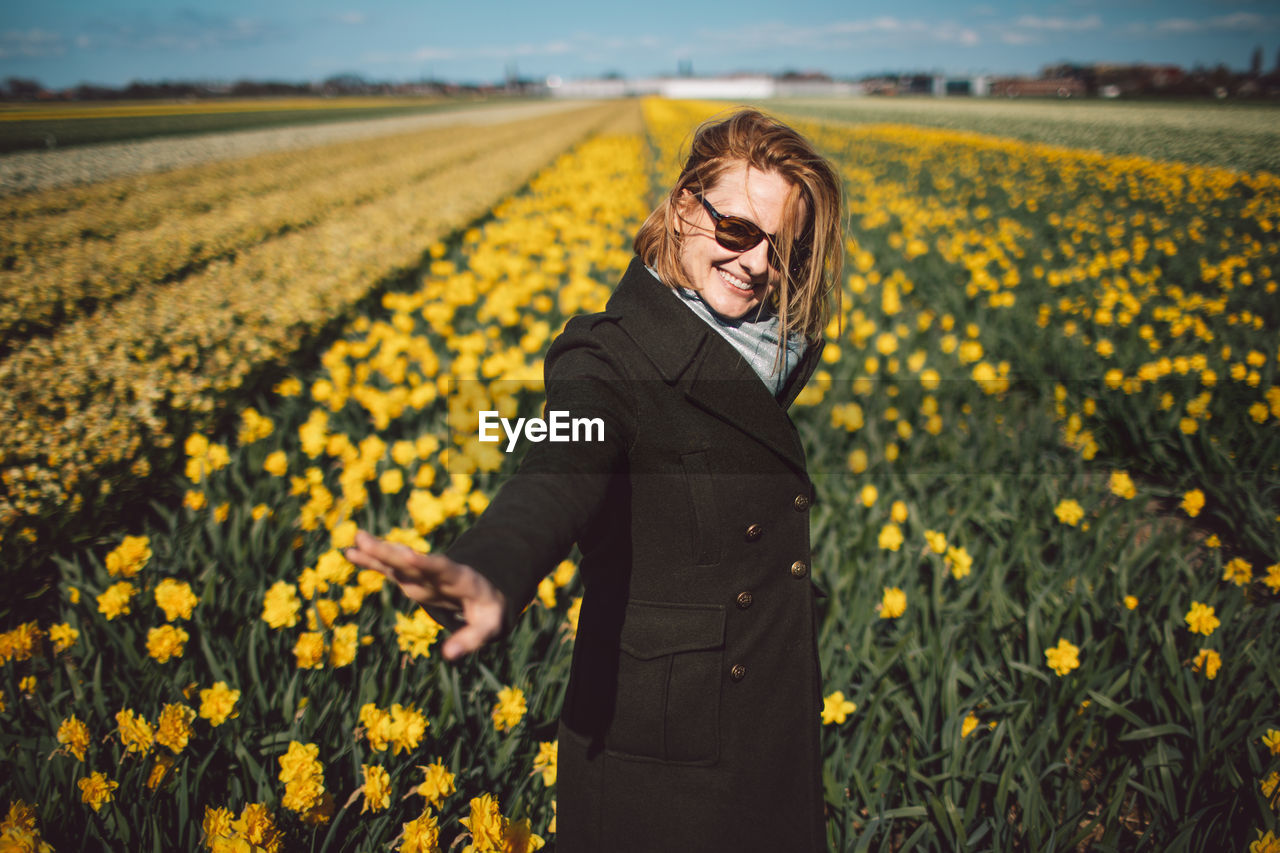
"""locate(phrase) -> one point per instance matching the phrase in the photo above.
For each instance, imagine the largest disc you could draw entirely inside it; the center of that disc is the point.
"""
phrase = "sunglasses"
(740, 235)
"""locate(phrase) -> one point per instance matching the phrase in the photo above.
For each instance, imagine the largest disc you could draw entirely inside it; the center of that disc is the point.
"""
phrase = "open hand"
(436, 580)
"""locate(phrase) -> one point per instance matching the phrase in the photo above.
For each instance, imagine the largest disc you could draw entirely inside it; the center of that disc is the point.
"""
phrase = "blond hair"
(804, 300)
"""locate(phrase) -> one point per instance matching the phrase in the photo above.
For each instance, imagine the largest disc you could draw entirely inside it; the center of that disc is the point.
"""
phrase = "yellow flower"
(129, 557)
(1209, 661)
(437, 783)
(342, 648)
(218, 703)
(173, 728)
(970, 723)
(416, 634)
(858, 460)
(1271, 740)
(1272, 580)
(959, 561)
(280, 605)
(1193, 502)
(898, 512)
(253, 426)
(1069, 512)
(27, 684)
(893, 604)
(937, 541)
(836, 709)
(309, 650)
(1063, 658)
(115, 600)
(166, 642)
(486, 825)
(391, 481)
(405, 728)
(377, 788)
(303, 777)
(1121, 485)
(74, 735)
(1131, 602)
(571, 616)
(420, 835)
(890, 537)
(63, 636)
(1238, 571)
(1266, 843)
(175, 598)
(1270, 784)
(547, 593)
(276, 463)
(164, 763)
(545, 761)
(96, 789)
(256, 827)
(509, 710)
(135, 732)
(193, 500)
(1200, 619)
(1212, 541)
(868, 495)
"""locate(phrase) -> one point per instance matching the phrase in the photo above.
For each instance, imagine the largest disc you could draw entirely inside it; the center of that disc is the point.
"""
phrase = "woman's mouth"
(735, 282)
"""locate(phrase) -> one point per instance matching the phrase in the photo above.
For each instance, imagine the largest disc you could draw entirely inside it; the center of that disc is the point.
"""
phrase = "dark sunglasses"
(740, 235)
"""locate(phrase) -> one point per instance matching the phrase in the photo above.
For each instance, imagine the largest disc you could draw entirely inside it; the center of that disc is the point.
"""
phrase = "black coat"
(692, 715)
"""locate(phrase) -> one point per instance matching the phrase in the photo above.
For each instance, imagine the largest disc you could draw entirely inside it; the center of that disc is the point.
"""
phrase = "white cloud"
(31, 44)
(1235, 22)
(1059, 25)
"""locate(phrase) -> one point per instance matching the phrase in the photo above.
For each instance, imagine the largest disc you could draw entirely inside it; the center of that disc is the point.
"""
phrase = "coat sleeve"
(537, 515)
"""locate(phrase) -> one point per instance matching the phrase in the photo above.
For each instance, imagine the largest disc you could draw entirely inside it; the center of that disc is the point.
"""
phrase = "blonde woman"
(692, 714)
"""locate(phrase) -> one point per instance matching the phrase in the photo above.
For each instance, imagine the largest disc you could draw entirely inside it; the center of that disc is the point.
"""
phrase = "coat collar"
(688, 352)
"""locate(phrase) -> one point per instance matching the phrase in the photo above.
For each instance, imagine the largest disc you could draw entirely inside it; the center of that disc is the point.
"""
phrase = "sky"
(62, 43)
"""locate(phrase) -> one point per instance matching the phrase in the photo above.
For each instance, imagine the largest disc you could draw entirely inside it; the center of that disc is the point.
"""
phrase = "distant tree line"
(25, 89)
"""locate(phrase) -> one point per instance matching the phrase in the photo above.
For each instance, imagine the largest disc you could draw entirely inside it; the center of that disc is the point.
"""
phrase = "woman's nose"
(756, 259)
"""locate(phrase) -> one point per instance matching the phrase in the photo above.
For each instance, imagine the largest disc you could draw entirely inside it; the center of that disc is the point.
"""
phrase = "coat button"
(799, 569)
(802, 503)
(745, 600)
(738, 672)
(754, 532)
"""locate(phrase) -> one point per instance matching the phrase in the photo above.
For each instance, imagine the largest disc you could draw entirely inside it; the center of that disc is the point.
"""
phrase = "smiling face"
(733, 283)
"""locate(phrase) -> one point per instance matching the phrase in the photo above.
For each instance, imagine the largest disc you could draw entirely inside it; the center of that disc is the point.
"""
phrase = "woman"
(692, 713)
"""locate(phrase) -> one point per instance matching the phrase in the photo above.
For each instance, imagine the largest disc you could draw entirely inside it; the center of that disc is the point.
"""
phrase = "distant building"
(1044, 87)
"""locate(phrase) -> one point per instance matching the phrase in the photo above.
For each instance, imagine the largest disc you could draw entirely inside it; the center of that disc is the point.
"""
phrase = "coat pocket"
(702, 498)
(668, 694)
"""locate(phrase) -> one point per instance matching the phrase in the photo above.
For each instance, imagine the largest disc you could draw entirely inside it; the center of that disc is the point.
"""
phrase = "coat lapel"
(716, 378)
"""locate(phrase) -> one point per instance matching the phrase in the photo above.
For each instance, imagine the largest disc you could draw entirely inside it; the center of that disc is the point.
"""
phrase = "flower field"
(1044, 443)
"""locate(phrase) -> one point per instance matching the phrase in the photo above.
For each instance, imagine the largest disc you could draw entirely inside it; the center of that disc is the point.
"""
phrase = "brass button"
(745, 600)
(799, 569)
(802, 503)
(754, 532)
(738, 672)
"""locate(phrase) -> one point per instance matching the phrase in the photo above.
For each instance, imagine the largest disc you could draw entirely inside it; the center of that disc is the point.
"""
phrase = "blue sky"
(65, 42)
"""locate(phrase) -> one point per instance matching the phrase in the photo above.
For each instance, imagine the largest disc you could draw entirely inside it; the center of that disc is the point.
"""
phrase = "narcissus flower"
(74, 735)
(97, 790)
(1209, 661)
(420, 835)
(166, 642)
(485, 824)
(129, 557)
(135, 732)
(63, 636)
(968, 725)
(937, 541)
(175, 598)
(173, 728)
(893, 604)
(890, 538)
(1063, 658)
(114, 601)
(1237, 570)
(438, 783)
(836, 709)
(1121, 485)
(959, 561)
(546, 760)
(1069, 512)
(509, 710)
(218, 703)
(1130, 602)
(1200, 619)
(1271, 740)
(280, 605)
(416, 633)
(377, 788)
(1193, 502)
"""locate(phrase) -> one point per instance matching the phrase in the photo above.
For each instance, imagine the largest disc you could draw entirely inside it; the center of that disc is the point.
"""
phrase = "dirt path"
(26, 171)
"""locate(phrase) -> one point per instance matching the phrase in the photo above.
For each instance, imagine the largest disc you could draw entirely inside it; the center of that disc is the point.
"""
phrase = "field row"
(98, 399)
